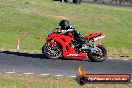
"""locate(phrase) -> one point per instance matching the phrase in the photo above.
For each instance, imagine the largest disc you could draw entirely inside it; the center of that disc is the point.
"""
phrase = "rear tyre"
(52, 52)
(99, 56)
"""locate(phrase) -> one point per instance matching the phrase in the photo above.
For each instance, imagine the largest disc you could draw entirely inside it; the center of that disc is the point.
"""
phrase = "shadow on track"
(33, 55)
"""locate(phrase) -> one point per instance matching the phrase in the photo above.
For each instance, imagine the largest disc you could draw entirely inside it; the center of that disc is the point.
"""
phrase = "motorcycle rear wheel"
(100, 56)
(51, 52)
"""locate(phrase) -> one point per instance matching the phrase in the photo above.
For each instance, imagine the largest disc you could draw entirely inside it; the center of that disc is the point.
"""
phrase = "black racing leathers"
(77, 35)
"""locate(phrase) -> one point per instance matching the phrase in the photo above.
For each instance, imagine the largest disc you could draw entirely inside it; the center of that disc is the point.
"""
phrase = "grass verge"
(31, 81)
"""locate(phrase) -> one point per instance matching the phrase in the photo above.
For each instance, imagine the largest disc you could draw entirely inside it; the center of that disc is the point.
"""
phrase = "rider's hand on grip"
(57, 32)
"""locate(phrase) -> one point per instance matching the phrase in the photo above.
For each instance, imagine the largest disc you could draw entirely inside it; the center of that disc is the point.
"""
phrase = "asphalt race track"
(24, 63)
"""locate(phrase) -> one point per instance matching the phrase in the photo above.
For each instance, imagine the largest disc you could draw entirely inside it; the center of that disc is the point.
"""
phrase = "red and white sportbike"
(59, 45)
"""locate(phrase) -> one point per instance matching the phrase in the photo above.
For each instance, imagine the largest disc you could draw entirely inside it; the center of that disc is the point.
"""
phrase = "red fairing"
(64, 42)
(93, 35)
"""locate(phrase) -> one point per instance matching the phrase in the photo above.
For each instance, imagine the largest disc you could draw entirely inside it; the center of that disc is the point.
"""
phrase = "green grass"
(26, 81)
(31, 21)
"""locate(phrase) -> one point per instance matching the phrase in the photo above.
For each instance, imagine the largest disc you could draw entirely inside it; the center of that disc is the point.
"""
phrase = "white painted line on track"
(59, 75)
(125, 59)
(10, 72)
(44, 74)
(71, 76)
(28, 73)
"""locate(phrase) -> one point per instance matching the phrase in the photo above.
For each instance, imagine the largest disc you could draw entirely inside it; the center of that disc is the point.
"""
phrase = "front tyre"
(98, 55)
(51, 51)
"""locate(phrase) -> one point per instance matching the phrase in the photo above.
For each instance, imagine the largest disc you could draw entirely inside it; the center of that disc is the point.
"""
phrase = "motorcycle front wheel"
(51, 51)
(99, 55)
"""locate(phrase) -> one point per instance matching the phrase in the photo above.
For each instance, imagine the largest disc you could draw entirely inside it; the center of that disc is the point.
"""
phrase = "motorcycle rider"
(66, 29)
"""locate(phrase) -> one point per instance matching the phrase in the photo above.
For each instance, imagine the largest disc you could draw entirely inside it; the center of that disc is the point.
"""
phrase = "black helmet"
(64, 24)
